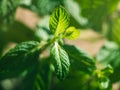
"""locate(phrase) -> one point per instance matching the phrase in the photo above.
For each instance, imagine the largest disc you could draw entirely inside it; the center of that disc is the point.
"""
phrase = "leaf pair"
(59, 24)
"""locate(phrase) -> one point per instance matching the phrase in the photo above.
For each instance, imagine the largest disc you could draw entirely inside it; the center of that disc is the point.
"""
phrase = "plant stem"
(43, 44)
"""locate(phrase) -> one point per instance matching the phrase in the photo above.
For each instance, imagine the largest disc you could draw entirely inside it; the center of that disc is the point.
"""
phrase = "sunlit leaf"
(59, 20)
(72, 33)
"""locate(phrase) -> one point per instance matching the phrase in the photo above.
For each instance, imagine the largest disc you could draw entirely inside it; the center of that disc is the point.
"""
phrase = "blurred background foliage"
(100, 16)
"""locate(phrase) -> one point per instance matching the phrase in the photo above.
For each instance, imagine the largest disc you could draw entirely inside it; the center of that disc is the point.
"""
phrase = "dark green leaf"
(60, 61)
(79, 59)
(33, 81)
(18, 59)
(39, 78)
(59, 21)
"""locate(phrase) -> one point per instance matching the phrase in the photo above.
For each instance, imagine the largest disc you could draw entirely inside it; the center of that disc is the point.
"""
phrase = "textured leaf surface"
(59, 20)
(60, 61)
(18, 59)
(79, 59)
(72, 33)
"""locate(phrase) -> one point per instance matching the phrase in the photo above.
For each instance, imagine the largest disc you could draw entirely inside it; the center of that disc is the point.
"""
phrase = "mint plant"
(59, 26)
(39, 73)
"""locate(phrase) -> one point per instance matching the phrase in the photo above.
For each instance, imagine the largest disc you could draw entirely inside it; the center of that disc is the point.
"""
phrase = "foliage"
(97, 11)
(110, 54)
(66, 67)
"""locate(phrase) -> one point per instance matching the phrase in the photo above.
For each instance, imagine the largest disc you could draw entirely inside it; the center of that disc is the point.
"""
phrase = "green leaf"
(110, 54)
(59, 21)
(17, 60)
(60, 61)
(72, 33)
(79, 59)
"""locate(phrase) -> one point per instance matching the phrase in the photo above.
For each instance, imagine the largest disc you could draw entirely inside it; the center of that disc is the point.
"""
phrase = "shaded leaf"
(40, 76)
(79, 59)
(33, 81)
(18, 59)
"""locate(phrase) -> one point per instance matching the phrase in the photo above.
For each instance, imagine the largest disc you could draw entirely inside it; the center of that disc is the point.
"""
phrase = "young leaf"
(60, 61)
(18, 59)
(79, 59)
(72, 33)
(59, 21)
